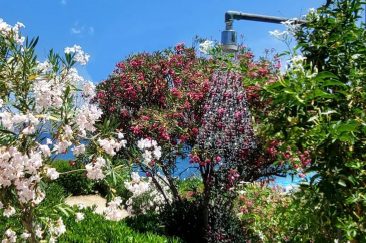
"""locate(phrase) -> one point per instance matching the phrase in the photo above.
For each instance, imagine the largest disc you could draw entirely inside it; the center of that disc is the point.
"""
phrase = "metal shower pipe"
(228, 36)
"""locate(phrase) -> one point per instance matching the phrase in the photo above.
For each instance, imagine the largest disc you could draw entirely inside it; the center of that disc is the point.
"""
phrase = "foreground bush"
(269, 214)
(95, 228)
(45, 111)
(318, 116)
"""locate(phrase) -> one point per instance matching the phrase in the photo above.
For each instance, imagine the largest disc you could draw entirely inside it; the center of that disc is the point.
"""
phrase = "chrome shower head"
(229, 40)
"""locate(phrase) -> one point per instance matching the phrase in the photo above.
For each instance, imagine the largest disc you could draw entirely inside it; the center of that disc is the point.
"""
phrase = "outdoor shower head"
(228, 36)
(228, 40)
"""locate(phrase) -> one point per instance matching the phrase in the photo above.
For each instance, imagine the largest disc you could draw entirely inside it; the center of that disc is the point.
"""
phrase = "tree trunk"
(205, 213)
(27, 222)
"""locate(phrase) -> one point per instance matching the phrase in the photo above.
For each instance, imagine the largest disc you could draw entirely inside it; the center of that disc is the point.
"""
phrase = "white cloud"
(76, 31)
(80, 30)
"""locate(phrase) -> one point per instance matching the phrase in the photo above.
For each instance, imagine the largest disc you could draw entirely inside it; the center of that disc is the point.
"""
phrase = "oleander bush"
(45, 111)
(174, 98)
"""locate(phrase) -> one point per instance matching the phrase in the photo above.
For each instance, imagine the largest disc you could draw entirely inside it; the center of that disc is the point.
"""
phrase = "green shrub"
(148, 222)
(269, 215)
(317, 116)
(75, 183)
(55, 194)
(94, 228)
(184, 219)
(190, 187)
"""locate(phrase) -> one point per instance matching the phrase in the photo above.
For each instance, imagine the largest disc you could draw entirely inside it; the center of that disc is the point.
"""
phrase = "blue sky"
(110, 30)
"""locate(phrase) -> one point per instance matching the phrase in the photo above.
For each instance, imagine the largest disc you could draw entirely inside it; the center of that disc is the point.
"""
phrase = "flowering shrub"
(269, 214)
(159, 97)
(175, 98)
(257, 206)
(45, 110)
(112, 211)
(145, 197)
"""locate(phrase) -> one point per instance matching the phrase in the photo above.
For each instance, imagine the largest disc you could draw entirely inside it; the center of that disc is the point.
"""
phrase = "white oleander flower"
(78, 150)
(60, 227)
(10, 235)
(95, 170)
(80, 55)
(25, 235)
(39, 232)
(111, 146)
(89, 90)
(52, 173)
(62, 146)
(9, 211)
(79, 217)
(206, 46)
(45, 150)
(6, 120)
(29, 130)
(120, 136)
(112, 211)
(68, 131)
(86, 116)
(144, 186)
(150, 150)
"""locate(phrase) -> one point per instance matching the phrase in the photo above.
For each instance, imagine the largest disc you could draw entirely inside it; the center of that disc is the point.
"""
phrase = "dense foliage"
(95, 228)
(318, 113)
(75, 183)
(235, 118)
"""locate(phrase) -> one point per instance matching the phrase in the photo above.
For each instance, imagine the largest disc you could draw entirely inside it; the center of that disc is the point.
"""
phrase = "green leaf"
(342, 183)
(326, 75)
(320, 93)
(333, 83)
(313, 118)
(350, 126)
(63, 210)
(329, 112)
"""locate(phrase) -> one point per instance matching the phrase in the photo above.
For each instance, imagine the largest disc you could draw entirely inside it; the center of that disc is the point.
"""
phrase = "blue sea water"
(185, 170)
